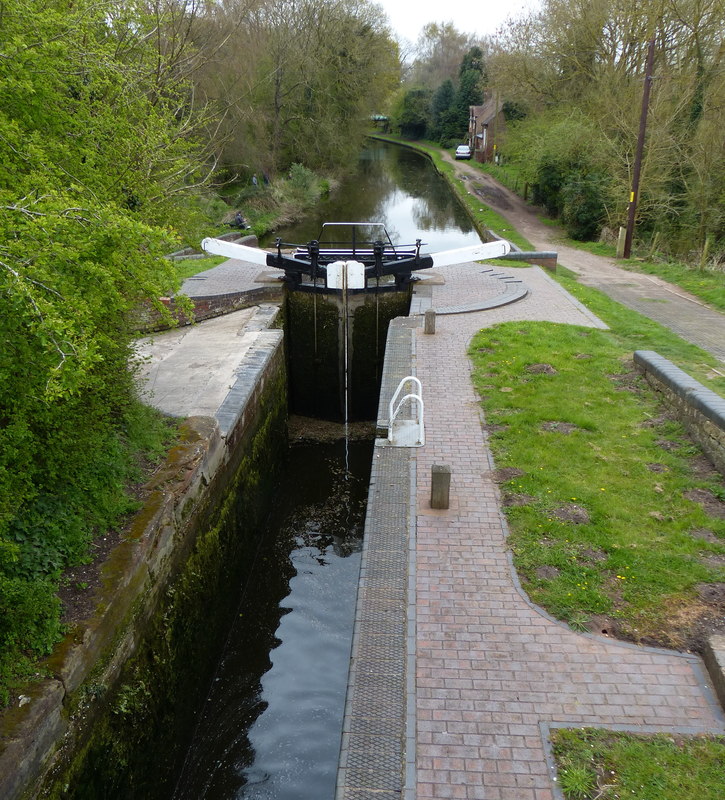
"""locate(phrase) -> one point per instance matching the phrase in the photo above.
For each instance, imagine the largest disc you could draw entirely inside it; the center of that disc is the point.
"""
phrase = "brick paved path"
(492, 669)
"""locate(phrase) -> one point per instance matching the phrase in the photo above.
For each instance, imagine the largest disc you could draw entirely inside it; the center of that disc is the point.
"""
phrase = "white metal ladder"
(407, 432)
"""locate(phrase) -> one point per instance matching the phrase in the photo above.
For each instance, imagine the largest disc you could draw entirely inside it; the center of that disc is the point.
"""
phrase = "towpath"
(669, 305)
(493, 672)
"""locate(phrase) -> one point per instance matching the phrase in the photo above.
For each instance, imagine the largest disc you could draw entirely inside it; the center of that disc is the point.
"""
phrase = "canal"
(270, 724)
(400, 188)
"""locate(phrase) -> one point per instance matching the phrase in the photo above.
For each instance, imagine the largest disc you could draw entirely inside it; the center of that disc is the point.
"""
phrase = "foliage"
(302, 185)
(584, 205)
(439, 50)
(412, 113)
(603, 765)
(296, 81)
(443, 118)
(470, 87)
(587, 60)
(85, 216)
(440, 111)
(604, 562)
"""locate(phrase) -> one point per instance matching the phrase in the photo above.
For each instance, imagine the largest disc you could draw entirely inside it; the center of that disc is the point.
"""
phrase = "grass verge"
(605, 765)
(193, 266)
(613, 514)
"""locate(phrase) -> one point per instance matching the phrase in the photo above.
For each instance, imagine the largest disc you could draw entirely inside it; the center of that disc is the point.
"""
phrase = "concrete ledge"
(714, 657)
(701, 410)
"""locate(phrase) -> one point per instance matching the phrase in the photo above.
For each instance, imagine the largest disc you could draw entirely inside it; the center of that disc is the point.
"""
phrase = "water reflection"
(400, 188)
(271, 726)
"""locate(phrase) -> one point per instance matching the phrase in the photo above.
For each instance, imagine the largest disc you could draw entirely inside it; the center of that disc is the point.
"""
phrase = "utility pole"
(634, 194)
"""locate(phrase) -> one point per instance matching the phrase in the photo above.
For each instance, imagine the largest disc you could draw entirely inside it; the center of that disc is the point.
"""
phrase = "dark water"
(400, 188)
(271, 725)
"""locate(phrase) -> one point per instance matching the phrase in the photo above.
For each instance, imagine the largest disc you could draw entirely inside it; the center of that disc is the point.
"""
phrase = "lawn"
(606, 497)
(193, 266)
(606, 765)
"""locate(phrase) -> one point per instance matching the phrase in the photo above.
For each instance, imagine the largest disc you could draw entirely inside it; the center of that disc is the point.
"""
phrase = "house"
(485, 125)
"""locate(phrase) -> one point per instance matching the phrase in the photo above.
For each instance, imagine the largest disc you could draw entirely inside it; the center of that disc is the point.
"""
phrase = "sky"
(485, 17)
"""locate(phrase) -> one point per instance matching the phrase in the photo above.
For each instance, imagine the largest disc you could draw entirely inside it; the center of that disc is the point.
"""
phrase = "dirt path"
(662, 302)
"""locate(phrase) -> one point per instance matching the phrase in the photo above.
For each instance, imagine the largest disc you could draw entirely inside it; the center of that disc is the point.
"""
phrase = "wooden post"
(634, 194)
(440, 486)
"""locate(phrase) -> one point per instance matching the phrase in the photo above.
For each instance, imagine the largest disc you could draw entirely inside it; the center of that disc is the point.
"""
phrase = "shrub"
(583, 205)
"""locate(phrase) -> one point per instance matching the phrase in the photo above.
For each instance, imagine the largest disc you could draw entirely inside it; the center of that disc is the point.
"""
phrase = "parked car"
(463, 151)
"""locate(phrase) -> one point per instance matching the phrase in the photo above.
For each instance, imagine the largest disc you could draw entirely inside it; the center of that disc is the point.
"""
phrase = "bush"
(551, 175)
(302, 188)
(583, 205)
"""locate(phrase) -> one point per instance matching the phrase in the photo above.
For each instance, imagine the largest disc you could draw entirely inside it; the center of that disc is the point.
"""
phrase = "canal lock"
(237, 689)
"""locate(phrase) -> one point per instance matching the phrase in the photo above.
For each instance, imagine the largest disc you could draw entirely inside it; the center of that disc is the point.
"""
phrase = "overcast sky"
(407, 17)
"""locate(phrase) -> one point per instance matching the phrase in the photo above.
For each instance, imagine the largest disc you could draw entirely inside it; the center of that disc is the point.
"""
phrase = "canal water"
(400, 188)
(271, 724)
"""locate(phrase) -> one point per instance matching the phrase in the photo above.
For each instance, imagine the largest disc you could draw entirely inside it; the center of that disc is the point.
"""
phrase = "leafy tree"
(588, 56)
(296, 81)
(470, 87)
(96, 150)
(439, 51)
(443, 117)
(412, 113)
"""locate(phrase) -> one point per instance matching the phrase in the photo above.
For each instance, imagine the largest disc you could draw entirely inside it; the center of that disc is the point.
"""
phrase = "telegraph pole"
(634, 194)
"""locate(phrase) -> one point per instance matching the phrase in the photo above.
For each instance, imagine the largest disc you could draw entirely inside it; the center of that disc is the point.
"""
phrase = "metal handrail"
(411, 396)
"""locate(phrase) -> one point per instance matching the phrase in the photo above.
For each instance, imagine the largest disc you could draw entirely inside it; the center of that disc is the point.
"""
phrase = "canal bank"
(120, 679)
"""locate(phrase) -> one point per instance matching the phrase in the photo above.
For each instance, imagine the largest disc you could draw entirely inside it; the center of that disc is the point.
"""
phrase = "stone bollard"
(620, 242)
(430, 321)
(440, 486)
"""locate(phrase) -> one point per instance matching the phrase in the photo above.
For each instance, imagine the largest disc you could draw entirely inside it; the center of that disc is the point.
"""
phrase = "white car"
(463, 151)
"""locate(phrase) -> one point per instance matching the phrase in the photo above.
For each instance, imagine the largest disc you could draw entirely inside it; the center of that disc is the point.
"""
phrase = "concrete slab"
(189, 371)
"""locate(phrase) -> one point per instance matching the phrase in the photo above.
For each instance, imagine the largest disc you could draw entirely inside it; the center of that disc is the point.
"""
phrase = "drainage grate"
(372, 757)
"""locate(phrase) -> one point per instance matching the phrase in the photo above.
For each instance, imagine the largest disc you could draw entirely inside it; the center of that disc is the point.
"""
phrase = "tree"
(412, 113)
(588, 56)
(439, 51)
(470, 86)
(442, 110)
(296, 80)
(96, 148)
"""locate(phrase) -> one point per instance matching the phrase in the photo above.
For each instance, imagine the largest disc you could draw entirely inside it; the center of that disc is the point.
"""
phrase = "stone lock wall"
(120, 682)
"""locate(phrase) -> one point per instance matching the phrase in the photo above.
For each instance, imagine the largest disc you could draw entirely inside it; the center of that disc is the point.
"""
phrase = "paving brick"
(492, 666)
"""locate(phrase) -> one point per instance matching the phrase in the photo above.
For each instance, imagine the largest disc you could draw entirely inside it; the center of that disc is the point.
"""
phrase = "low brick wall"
(541, 258)
(700, 410)
(235, 236)
(150, 319)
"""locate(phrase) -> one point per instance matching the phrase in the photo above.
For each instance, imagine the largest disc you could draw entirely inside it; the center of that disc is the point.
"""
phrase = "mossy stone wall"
(125, 720)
